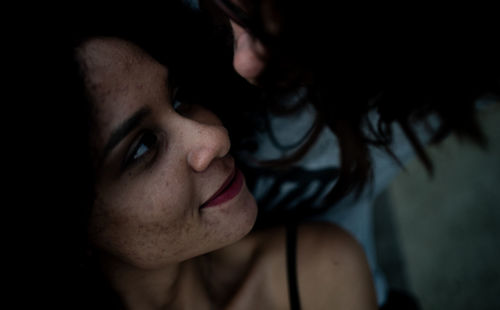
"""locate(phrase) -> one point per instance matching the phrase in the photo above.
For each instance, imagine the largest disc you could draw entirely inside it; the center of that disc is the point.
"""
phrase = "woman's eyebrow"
(125, 128)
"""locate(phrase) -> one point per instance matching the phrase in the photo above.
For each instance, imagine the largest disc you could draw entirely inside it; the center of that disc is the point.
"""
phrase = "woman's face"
(253, 58)
(158, 164)
(250, 54)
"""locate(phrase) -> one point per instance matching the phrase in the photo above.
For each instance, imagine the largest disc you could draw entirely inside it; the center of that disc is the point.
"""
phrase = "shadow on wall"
(443, 243)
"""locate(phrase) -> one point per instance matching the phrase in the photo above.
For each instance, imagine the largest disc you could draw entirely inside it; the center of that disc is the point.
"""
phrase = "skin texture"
(147, 214)
(157, 247)
(332, 271)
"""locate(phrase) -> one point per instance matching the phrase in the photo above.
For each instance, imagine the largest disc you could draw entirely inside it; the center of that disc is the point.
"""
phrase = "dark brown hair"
(175, 37)
(354, 60)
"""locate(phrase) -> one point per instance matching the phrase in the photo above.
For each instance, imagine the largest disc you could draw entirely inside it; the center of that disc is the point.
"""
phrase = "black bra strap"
(291, 255)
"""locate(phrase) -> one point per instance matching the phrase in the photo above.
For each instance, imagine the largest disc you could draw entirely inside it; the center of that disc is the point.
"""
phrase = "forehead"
(110, 62)
(120, 78)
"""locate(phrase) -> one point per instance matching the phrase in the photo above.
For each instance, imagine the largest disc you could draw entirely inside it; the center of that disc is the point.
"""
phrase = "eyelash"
(144, 147)
(149, 138)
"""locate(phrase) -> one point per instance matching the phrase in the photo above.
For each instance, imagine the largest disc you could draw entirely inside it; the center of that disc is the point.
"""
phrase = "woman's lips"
(229, 189)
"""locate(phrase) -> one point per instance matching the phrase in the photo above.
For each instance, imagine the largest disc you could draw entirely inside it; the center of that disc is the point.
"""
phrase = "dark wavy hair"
(406, 63)
(172, 34)
(189, 45)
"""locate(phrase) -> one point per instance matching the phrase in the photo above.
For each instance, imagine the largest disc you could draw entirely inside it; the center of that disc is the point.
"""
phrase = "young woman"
(349, 89)
(164, 214)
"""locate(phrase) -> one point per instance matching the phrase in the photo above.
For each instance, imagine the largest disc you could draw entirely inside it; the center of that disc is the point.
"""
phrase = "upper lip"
(224, 185)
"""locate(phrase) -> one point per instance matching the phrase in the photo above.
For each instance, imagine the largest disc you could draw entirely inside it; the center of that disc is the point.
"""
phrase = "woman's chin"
(232, 220)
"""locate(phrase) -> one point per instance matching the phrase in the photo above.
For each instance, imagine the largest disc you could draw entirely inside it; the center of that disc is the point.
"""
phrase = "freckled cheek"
(142, 239)
(146, 225)
(159, 195)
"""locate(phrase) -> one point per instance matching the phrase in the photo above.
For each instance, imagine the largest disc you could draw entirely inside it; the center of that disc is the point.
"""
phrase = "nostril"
(200, 158)
(212, 145)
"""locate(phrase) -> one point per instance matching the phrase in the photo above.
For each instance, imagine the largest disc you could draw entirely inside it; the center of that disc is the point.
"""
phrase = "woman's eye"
(143, 147)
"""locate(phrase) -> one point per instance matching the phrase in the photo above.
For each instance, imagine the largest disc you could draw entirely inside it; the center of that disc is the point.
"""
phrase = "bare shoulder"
(332, 269)
(317, 238)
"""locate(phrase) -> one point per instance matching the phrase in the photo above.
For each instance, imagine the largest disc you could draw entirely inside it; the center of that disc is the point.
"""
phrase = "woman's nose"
(207, 143)
(250, 54)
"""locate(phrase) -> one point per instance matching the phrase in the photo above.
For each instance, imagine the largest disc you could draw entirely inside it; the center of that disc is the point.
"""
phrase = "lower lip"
(229, 193)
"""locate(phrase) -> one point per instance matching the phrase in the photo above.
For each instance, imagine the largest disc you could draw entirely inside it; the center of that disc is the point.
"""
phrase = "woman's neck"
(143, 289)
(213, 278)
(224, 271)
